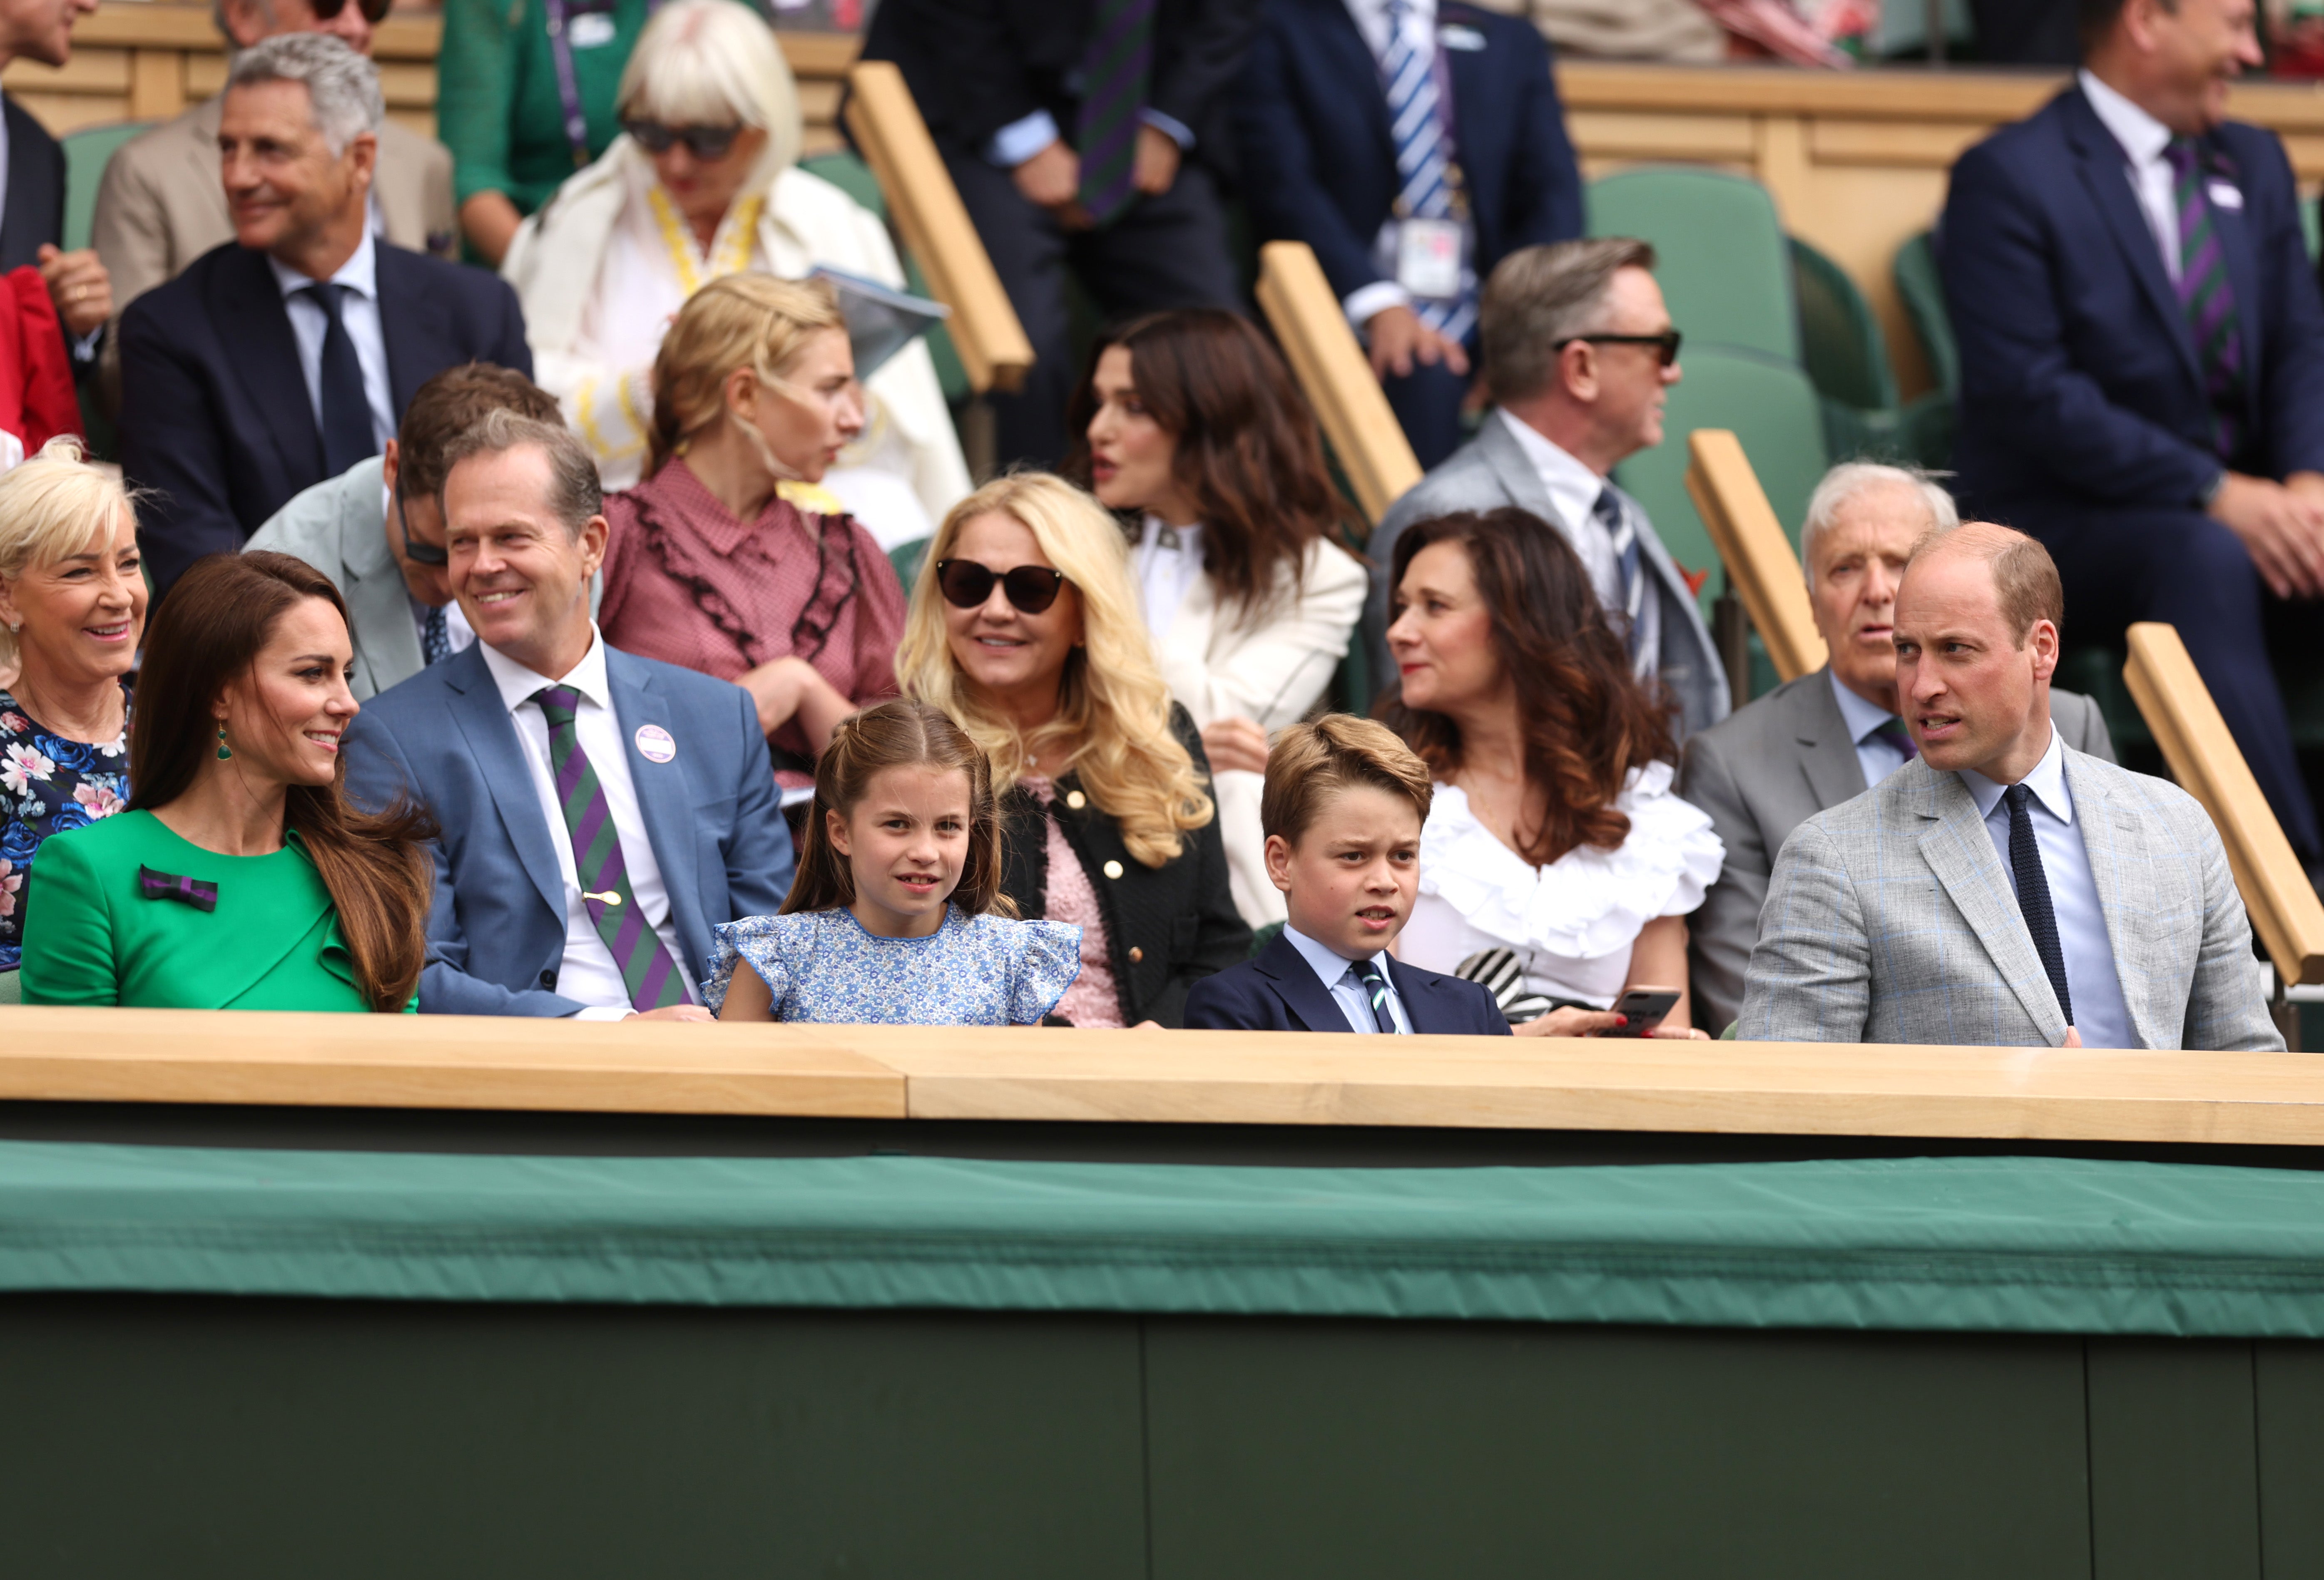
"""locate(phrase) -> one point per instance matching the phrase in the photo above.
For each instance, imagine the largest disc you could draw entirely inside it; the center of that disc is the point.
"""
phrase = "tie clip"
(607, 898)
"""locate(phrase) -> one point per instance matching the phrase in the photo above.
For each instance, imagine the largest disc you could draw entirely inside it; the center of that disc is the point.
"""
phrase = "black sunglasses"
(707, 143)
(418, 553)
(374, 10)
(966, 584)
(1666, 344)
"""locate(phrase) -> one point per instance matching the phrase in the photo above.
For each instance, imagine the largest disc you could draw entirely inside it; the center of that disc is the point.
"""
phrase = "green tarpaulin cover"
(2023, 1245)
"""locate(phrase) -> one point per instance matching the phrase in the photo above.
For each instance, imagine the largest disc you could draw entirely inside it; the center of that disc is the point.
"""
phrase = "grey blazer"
(1891, 919)
(1491, 471)
(1760, 773)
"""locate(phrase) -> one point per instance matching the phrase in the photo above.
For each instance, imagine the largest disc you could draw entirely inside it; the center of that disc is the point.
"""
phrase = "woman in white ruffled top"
(1556, 864)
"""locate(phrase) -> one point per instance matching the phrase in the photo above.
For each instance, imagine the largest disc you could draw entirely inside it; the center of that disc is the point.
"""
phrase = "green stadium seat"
(1261, 937)
(1772, 408)
(852, 176)
(1721, 253)
(86, 153)
(12, 988)
(1846, 356)
(906, 557)
(1923, 295)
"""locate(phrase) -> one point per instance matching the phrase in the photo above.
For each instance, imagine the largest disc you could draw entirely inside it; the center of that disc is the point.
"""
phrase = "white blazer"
(1270, 672)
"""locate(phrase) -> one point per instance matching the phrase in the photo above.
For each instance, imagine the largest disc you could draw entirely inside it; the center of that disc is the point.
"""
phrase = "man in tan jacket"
(163, 205)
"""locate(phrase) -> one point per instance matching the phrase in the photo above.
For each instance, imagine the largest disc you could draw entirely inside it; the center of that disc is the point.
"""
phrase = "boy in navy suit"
(1343, 809)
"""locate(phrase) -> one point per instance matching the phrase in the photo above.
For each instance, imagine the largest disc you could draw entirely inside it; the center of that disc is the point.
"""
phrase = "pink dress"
(1092, 1000)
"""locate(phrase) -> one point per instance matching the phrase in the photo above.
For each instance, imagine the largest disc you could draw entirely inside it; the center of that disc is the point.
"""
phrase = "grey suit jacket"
(1760, 773)
(1892, 919)
(1491, 471)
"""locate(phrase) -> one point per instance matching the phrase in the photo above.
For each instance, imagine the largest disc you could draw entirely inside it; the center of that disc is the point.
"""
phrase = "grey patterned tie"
(1609, 514)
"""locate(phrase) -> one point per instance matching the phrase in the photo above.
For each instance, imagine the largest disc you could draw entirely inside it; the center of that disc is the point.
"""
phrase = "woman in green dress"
(240, 878)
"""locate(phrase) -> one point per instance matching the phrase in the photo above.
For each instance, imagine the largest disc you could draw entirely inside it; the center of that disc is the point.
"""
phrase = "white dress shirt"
(588, 973)
(1166, 563)
(1878, 759)
(1332, 968)
(1573, 489)
(2100, 1013)
(2142, 138)
(359, 311)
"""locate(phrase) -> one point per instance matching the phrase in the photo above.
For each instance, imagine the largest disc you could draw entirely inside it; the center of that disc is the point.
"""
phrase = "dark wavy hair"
(1249, 454)
(1587, 719)
(206, 637)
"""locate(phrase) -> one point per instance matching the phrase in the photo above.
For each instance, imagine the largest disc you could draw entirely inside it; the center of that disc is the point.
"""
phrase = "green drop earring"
(226, 753)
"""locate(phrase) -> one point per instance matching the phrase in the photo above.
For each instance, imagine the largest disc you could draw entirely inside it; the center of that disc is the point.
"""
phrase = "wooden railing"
(1331, 368)
(1761, 566)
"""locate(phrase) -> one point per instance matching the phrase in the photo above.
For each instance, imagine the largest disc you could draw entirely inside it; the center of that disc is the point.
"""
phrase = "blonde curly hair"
(1111, 700)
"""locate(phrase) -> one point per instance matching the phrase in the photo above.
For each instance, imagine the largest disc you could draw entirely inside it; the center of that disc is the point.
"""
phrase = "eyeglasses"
(374, 10)
(966, 584)
(418, 553)
(707, 143)
(1666, 344)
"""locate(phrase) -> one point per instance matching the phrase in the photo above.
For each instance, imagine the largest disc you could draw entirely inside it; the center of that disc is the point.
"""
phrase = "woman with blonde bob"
(1024, 628)
(703, 184)
(708, 565)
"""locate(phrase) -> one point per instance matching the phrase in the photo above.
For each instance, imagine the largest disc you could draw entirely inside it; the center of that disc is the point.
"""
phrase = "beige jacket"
(161, 204)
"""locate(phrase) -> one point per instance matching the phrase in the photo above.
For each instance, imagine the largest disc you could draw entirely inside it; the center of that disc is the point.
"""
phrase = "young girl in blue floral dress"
(897, 915)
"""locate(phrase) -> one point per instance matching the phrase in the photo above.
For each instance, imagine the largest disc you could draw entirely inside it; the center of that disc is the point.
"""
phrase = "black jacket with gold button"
(1167, 927)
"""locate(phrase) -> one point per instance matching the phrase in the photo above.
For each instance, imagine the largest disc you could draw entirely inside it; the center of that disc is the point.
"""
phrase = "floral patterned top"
(972, 971)
(48, 785)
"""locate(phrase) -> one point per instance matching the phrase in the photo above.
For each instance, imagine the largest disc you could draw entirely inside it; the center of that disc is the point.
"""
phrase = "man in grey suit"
(377, 530)
(1823, 739)
(1579, 354)
(2002, 889)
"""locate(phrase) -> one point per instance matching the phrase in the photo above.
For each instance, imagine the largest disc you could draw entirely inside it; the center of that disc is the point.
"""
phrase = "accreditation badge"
(1428, 257)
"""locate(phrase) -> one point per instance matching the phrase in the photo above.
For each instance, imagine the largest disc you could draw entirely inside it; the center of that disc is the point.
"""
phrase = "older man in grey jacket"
(1579, 354)
(377, 530)
(2002, 889)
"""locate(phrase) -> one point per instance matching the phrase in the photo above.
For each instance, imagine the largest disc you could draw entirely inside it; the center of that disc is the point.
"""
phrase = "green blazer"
(93, 935)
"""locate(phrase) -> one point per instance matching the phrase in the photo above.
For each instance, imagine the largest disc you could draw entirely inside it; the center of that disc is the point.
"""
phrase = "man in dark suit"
(1088, 135)
(601, 813)
(2141, 350)
(288, 355)
(32, 181)
(1414, 145)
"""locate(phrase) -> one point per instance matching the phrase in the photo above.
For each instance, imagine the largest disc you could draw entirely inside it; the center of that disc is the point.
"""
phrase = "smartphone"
(1645, 1007)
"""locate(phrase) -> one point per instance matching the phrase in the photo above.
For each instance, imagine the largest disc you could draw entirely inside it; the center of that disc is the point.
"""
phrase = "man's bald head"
(2025, 582)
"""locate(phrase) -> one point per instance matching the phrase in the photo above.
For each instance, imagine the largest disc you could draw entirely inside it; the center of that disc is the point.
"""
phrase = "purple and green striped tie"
(1113, 100)
(2205, 295)
(651, 976)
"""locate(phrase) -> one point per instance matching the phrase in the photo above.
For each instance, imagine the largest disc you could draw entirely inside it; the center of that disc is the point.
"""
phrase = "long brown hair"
(206, 637)
(897, 734)
(1250, 455)
(1586, 717)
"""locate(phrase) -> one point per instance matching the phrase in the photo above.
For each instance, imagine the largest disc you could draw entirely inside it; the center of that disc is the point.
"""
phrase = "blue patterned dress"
(972, 971)
(48, 785)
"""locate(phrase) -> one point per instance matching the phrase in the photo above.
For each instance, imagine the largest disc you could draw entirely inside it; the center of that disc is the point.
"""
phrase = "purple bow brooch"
(191, 891)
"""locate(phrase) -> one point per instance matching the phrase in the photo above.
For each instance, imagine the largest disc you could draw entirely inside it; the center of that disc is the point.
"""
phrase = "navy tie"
(348, 434)
(435, 637)
(2033, 895)
(1374, 982)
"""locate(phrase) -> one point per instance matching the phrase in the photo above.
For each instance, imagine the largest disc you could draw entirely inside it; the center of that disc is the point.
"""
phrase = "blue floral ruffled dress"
(972, 971)
(48, 786)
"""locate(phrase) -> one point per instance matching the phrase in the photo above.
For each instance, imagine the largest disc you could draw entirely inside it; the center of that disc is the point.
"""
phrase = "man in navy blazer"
(287, 355)
(1320, 166)
(2142, 349)
(600, 812)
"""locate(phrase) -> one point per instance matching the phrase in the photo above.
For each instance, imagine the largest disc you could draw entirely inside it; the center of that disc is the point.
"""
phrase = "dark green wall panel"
(2174, 1465)
(1358, 1449)
(2290, 1379)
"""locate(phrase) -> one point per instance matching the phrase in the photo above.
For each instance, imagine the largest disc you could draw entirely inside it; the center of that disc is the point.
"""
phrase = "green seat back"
(1923, 295)
(1771, 407)
(12, 986)
(1719, 252)
(86, 153)
(846, 171)
(1840, 340)
(1262, 937)
(906, 557)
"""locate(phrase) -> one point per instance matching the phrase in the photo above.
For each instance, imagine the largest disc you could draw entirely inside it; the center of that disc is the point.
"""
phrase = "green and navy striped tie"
(1113, 103)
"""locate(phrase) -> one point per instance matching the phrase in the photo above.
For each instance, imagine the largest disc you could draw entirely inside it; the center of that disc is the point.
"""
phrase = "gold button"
(1076, 800)
(1136, 954)
(1113, 869)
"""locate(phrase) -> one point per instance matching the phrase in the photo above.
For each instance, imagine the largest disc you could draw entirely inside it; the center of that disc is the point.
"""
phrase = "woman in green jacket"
(240, 878)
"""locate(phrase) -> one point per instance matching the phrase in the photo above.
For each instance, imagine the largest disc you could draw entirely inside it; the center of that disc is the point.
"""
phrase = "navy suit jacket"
(1318, 163)
(2079, 383)
(496, 935)
(215, 414)
(1280, 992)
(35, 214)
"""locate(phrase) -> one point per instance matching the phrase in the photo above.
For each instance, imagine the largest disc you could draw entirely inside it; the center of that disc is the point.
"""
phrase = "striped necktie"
(2206, 296)
(646, 968)
(1424, 159)
(1608, 513)
(1113, 99)
(1367, 975)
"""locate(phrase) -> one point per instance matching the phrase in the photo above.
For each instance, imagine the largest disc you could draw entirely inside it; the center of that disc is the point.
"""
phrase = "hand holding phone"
(1644, 1009)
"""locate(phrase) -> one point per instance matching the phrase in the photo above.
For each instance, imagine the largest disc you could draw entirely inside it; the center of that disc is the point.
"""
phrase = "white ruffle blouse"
(1572, 924)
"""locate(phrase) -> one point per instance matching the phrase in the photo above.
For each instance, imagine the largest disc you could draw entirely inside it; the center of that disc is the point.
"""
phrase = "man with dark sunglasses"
(1579, 354)
(161, 206)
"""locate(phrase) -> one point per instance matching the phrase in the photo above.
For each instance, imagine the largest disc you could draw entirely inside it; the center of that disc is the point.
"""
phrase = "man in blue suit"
(1414, 145)
(600, 812)
(2141, 350)
(288, 355)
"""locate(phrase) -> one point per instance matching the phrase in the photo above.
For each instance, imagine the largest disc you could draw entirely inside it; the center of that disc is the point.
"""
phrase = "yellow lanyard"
(730, 249)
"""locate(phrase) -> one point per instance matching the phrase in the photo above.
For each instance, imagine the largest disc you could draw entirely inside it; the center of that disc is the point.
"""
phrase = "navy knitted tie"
(2033, 895)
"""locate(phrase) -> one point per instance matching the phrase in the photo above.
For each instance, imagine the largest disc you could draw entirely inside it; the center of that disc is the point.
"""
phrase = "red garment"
(688, 584)
(37, 399)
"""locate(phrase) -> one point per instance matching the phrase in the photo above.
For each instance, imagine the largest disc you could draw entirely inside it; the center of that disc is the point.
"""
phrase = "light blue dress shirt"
(359, 311)
(1332, 969)
(2100, 1013)
(1875, 757)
